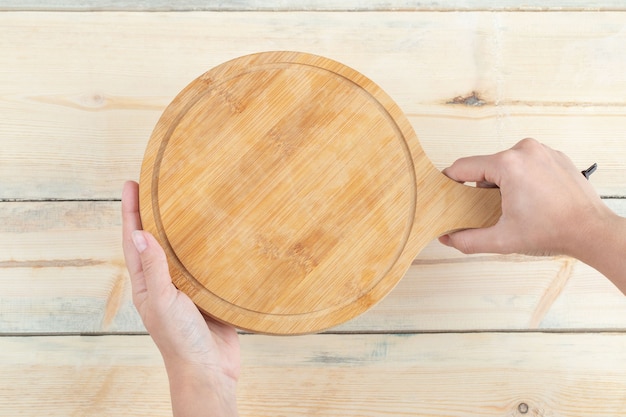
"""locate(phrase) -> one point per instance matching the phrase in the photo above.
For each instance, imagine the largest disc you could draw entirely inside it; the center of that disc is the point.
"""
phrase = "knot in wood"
(522, 408)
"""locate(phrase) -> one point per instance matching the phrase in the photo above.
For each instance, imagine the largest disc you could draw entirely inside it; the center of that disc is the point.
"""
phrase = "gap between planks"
(346, 333)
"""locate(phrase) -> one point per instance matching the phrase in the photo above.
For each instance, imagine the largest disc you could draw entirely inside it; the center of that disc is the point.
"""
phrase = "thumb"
(153, 262)
(468, 241)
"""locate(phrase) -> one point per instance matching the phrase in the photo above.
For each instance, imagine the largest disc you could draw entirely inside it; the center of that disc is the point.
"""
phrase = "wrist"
(600, 242)
(197, 391)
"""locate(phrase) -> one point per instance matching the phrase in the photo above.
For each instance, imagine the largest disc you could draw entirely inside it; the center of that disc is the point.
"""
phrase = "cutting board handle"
(466, 207)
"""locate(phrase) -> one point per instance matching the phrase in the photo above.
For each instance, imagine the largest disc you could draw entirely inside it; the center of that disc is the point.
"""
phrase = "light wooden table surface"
(81, 88)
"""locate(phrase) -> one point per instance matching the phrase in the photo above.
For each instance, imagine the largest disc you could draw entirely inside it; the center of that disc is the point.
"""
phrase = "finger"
(153, 263)
(484, 240)
(219, 328)
(131, 221)
(472, 169)
(486, 184)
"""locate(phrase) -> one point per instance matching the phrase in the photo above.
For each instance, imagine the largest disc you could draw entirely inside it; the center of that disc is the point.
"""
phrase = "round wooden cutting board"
(291, 194)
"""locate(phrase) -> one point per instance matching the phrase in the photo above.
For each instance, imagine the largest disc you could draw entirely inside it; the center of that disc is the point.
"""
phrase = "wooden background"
(82, 85)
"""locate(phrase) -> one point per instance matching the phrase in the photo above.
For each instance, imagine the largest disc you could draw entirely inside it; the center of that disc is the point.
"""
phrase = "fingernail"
(139, 241)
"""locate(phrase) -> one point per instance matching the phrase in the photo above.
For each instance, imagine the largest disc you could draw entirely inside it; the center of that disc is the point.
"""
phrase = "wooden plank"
(82, 376)
(84, 90)
(292, 5)
(62, 271)
(488, 374)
